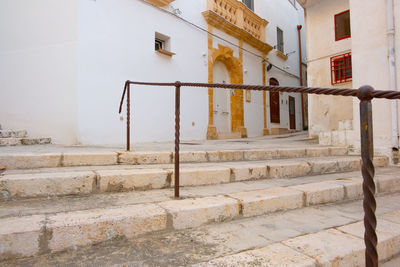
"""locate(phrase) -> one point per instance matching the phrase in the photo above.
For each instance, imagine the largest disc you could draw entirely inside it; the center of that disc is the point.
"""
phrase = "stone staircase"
(19, 137)
(57, 203)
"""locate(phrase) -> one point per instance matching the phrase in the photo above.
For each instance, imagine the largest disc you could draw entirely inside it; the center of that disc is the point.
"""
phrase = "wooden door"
(274, 103)
(221, 99)
(292, 113)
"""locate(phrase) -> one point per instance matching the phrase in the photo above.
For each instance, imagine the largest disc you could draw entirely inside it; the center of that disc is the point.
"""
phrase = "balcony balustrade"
(234, 18)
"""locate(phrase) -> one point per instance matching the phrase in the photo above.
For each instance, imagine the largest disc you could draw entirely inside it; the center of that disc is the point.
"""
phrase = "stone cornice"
(219, 22)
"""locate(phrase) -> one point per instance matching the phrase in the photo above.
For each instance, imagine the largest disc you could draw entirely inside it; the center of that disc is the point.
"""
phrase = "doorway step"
(19, 137)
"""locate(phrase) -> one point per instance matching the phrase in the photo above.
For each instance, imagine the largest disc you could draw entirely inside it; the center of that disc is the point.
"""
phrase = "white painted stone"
(145, 157)
(330, 248)
(136, 179)
(320, 193)
(335, 138)
(260, 154)
(81, 228)
(272, 255)
(47, 184)
(12, 133)
(325, 138)
(227, 155)
(36, 141)
(11, 141)
(20, 236)
(203, 176)
(30, 160)
(88, 159)
(346, 125)
(388, 236)
(288, 169)
(268, 200)
(188, 213)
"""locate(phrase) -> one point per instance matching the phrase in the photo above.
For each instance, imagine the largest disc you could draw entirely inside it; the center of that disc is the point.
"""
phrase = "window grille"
(341, 71)
(279, 37)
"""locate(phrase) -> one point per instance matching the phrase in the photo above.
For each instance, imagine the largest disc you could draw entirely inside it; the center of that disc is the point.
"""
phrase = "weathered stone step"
(12, 133)
(203, 244)
(42, 233)
(13, 141)
(66, 159)
(339, 246)
(386, 178)
(57, 182)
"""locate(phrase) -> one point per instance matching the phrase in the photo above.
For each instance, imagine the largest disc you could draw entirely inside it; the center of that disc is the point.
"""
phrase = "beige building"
(351, 43)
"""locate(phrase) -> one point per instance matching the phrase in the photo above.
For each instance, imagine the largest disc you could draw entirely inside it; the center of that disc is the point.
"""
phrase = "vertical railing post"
(128, 117)
(368, 172)
(177, 128)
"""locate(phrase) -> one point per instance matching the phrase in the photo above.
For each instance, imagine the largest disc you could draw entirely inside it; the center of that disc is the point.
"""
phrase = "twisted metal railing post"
(128, 117)
(365, 94)
(177, 128)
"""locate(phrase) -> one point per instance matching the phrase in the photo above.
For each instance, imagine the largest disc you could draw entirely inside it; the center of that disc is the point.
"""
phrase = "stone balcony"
(234, 18)
(160, 2)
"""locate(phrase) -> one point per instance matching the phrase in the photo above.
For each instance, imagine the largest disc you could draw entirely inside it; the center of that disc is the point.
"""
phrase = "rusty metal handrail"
(364, 93)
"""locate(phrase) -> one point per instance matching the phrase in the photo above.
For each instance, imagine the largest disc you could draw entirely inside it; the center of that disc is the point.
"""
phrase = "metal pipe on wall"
(301, 74)
(392, 71)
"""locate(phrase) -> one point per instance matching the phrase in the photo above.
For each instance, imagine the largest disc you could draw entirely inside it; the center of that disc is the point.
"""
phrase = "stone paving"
(290, 140)
(108, 207)
(203, 244)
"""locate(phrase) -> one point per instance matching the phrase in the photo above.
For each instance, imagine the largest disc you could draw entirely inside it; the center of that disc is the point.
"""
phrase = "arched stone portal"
(224, 54)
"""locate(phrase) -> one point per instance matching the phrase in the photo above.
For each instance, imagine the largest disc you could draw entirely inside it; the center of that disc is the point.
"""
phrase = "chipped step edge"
(69, 229)
(321, 248)
(31, 160)
(82, 183)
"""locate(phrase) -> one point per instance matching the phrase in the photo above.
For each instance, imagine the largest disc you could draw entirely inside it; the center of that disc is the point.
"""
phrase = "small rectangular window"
(342, 25)
(279, 38)
(159, 44)
(162, 44)
(249, 4)
(341, 71)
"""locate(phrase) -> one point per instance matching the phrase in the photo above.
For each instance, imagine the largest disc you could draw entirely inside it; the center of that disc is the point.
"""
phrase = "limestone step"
(12, 133)
(386, 179)
(337, 246)
(122, 178)
(13, 141)
(12, 160)
(38, 233)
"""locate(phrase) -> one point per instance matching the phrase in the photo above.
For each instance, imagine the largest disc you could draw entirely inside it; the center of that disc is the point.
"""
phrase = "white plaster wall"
(369, 44)
(324, 114)
(68, 60)
(397, 48)
(284, 80)
(38, 68)
(284, 15)
(224, 39)
(253, 110)
(116, 44)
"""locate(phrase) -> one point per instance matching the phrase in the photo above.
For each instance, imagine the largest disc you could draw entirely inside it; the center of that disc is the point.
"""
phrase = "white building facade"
(351, 43)
(63, 65)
